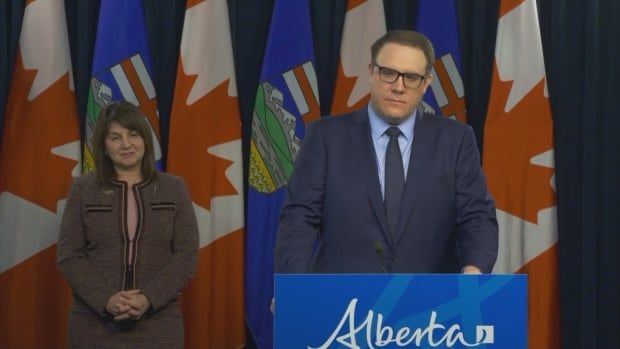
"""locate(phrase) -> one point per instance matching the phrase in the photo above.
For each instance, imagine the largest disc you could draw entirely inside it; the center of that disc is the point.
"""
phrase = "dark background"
(581, 43)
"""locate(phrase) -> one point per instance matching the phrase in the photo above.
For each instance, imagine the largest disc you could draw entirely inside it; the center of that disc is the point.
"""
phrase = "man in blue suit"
(389, 188)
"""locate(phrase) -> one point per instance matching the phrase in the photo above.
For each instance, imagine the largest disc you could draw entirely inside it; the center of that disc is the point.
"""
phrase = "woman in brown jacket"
(128, 241)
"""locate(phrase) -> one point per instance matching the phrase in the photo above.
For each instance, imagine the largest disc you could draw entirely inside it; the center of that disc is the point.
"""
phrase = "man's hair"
(406, 38)
(130, 117)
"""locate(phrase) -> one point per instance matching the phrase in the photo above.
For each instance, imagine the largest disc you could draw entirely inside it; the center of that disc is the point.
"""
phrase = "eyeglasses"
(410, 80)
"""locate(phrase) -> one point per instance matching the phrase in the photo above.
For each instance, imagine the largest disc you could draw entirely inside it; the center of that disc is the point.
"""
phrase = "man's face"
(396, 101)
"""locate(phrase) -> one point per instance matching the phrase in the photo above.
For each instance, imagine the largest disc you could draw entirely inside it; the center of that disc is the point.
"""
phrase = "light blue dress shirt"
(380, 141)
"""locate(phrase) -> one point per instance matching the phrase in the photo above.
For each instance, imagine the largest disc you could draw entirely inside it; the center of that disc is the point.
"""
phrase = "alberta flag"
(438, 20)
(121, 70)
(286, 100)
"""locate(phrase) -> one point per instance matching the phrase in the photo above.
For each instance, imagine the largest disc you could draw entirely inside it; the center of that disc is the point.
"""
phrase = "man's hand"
(470, 269)
(272, 306)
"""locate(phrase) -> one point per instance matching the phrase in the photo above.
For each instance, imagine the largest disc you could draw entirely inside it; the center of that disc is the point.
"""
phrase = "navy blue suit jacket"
(333, 219)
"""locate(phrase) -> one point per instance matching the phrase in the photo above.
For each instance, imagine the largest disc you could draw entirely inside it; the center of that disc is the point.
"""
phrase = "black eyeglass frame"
(405, 76)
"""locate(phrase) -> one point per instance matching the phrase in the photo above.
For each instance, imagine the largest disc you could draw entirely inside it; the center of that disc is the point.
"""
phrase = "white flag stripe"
(156, 144)
(143, 75)
(438, 92)
(124, 85)
(311, 76)
(454, 75)
(296, 92)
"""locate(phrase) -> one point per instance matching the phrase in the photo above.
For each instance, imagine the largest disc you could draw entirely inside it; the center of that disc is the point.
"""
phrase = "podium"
(356, 311)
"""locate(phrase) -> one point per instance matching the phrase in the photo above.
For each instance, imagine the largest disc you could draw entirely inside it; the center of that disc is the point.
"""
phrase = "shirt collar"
(378, 126)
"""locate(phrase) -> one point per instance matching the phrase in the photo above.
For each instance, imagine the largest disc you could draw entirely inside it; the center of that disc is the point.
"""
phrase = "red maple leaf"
(511, 139)
(191, 3)
(351, 4)
(213, 119)
(32, 129)
(507, 6)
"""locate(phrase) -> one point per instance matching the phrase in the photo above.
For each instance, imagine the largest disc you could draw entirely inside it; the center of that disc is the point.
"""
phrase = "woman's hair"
(130, 117)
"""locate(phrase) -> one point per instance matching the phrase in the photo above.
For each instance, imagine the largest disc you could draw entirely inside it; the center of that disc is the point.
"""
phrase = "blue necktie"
(394, 180)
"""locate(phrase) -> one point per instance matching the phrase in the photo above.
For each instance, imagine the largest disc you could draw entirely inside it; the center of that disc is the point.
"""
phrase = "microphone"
(382, 257)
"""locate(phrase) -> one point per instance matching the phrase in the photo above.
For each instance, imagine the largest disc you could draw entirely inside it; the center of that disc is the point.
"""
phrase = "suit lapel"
(365, 152)
(419, 151)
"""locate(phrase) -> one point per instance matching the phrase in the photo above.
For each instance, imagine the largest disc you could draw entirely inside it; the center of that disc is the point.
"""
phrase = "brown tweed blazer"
(93, 252)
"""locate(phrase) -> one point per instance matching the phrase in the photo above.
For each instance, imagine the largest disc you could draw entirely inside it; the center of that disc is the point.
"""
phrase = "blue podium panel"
(400, 311)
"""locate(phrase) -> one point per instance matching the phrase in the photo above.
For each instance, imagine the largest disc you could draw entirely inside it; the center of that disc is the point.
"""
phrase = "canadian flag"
(39, 154)
(519, 162)
(364, 23)
(205, 148)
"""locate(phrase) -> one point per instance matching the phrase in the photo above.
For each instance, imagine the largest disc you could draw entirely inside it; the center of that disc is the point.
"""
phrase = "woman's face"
(125, 148)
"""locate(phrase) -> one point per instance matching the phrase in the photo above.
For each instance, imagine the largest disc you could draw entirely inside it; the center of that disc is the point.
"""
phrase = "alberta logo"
(378, 335)
(275, 145)
(275, 142)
